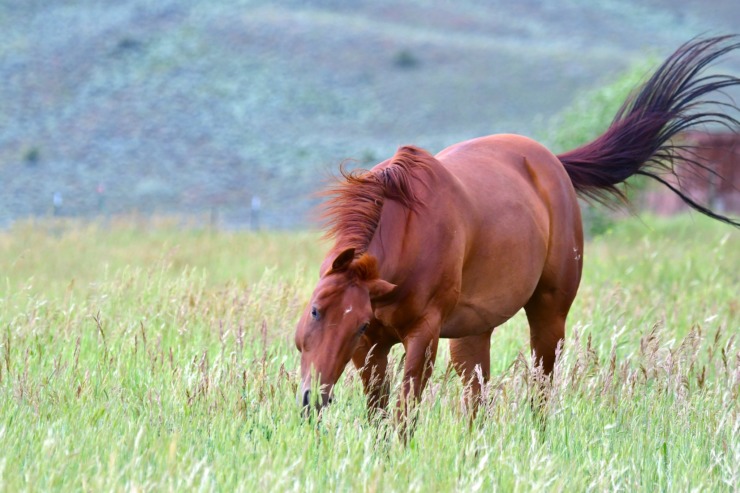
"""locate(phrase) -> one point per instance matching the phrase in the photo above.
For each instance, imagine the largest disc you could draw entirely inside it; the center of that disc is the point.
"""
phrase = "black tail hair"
(638, 141)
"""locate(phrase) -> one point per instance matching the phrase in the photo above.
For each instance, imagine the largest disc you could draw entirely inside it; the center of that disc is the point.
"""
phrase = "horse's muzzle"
(318, 404)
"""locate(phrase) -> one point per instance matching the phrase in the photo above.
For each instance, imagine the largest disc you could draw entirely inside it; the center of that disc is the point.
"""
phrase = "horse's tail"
(638, 142)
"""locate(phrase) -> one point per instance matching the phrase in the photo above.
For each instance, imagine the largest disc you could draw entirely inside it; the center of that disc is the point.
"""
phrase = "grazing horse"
(453, 245)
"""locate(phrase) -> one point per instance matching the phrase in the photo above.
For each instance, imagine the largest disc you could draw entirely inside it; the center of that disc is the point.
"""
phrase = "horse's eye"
(315, 313)
(364, 327)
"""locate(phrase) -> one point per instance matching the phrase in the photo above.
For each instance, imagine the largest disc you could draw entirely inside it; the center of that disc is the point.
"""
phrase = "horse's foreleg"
(371, 360)
(471, 358)
(421, 351)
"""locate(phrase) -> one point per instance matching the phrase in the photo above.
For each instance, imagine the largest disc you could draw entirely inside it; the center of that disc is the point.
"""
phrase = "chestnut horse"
(453, 245)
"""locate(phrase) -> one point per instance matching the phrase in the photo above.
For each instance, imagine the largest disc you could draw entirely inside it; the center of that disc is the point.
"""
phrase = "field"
(144, 356)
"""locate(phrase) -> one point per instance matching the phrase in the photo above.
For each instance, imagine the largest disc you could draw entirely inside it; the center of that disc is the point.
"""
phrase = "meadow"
(140, 355)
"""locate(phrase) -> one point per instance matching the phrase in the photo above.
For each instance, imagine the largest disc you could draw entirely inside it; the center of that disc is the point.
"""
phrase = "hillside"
(185, 106)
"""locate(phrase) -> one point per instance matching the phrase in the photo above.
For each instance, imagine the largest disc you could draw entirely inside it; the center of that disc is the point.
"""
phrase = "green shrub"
(587, 118)
(405, 59)
(31, 156)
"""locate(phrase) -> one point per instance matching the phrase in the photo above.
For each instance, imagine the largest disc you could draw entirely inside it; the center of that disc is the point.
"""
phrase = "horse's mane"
(352, 212)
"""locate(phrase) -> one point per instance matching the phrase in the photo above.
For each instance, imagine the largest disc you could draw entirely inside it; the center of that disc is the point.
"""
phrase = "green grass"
(150, 357)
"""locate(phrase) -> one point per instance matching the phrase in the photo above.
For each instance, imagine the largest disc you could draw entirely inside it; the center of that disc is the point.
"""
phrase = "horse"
(452, 245)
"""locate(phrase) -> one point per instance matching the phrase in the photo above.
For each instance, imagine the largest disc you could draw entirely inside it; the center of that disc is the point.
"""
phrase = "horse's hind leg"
(546, 312)
(548, 306)
(471, 358)
(546, 318)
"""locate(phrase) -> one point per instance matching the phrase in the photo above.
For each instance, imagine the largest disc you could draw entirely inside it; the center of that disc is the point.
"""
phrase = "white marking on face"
(348, 310)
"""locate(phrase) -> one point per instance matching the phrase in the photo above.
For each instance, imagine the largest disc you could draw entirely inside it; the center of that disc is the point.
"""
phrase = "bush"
(405, 59)
(31, 156)
(592, 113)
(587, 118)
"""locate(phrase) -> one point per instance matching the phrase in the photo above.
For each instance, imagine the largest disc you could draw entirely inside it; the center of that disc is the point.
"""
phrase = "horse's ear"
(379, 288)
(343, 260)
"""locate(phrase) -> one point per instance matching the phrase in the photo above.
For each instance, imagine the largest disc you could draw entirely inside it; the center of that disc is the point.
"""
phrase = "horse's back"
(497, 156)
(503, 174)
(524, 227)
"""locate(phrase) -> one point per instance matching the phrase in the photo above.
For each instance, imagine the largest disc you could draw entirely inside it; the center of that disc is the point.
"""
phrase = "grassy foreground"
(140, 358)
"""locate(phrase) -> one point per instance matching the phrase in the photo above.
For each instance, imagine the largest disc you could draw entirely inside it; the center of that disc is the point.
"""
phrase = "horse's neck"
(394, 245)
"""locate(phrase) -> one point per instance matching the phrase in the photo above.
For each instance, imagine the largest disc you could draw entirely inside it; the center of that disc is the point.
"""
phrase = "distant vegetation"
(405, 59)
(194, 107)
(585, 119)
(591, 113)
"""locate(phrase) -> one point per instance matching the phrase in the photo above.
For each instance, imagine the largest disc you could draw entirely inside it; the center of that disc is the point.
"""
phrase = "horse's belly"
(480, 313)
(475, 318)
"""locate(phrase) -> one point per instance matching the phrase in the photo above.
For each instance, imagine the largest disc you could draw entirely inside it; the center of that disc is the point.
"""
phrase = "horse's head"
(334, 322)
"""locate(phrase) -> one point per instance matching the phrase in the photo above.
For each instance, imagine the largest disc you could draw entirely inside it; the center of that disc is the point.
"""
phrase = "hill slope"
(184, 106)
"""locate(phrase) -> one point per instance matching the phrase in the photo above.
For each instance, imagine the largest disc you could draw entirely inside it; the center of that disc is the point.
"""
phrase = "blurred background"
(234, 113)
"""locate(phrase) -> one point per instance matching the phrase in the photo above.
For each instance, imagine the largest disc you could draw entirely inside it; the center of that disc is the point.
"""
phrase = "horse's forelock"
(365, 268)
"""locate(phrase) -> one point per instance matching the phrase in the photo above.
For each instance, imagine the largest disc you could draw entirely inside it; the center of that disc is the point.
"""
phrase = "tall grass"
(158, 358)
